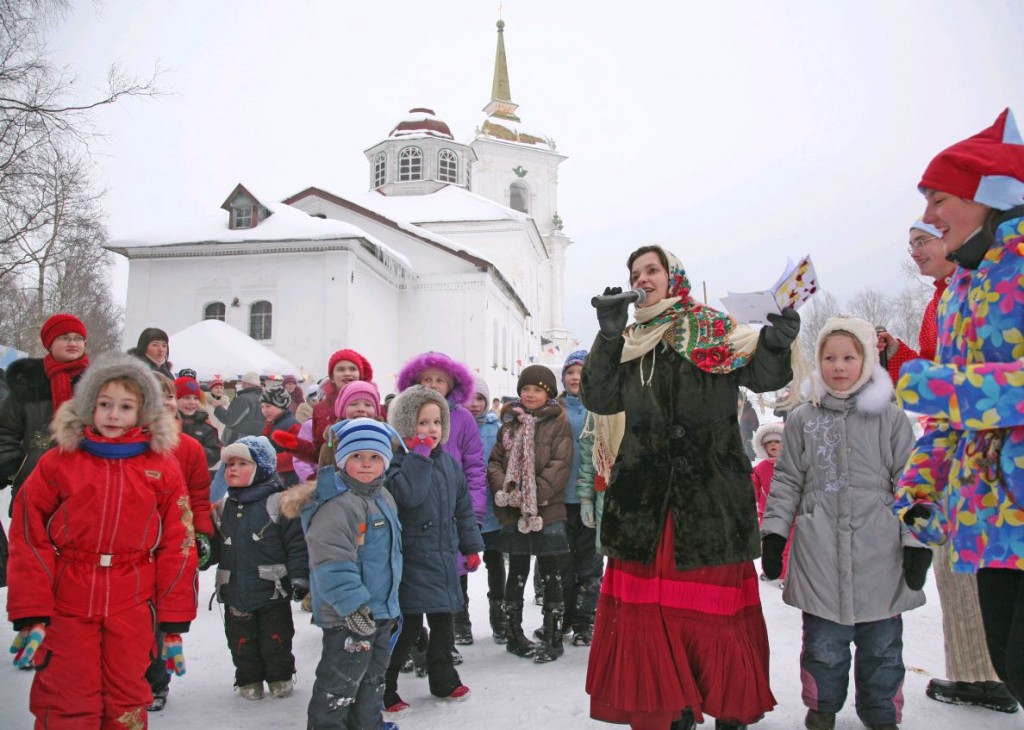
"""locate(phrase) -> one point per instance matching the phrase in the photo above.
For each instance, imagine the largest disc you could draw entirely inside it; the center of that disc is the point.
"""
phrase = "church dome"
(421, 122)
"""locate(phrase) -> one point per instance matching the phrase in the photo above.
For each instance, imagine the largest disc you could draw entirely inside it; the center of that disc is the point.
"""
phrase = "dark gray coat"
(681, 451)
(25, 417)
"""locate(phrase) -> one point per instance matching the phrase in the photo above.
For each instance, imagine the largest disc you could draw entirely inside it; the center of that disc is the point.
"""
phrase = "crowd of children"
(390, 518)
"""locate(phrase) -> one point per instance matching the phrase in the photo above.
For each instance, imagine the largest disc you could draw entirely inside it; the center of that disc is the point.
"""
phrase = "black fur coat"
(681, 451)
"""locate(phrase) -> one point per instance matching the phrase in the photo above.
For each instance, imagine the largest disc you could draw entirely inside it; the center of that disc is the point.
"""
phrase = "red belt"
(106, 560)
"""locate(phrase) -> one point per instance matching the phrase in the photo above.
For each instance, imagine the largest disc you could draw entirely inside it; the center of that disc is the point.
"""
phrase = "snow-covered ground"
(507, 692)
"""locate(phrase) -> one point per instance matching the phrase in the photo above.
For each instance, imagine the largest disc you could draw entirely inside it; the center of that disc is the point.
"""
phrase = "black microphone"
(633, 296)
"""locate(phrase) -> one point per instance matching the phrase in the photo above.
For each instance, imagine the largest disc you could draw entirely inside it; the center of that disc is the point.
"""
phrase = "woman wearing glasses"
(38, 387)
(963, 487)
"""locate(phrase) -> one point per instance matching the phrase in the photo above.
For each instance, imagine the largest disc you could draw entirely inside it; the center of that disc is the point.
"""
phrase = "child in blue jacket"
(355, 558)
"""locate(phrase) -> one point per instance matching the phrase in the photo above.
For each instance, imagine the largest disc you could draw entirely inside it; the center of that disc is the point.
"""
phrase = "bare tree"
(813, 316)
(51, 229)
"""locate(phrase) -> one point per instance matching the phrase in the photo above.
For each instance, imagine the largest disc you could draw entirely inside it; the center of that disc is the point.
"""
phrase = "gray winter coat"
(839, 466)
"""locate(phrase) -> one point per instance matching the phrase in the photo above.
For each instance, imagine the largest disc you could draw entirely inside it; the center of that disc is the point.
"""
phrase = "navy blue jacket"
(260, 550)
(438, 522)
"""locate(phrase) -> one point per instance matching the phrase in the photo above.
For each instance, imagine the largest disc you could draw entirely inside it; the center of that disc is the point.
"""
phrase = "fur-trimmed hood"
(294, 499)
(406, 406)
(763, 430)
(68, 429)
(111, 365)
(463, 386)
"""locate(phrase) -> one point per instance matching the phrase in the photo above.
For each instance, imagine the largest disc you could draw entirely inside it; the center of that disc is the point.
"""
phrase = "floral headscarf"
(711, 340)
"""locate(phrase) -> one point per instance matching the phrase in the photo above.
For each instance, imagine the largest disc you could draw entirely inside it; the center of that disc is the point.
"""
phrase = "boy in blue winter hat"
(263, 564)
(355, 555)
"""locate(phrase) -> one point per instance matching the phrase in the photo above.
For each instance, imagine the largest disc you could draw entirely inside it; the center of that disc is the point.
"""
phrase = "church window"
(242, 216)
(214, 310)
(447, 166)
(260, 319)
(380, 170)
(410, 164)
(496, 343)
(519, 197)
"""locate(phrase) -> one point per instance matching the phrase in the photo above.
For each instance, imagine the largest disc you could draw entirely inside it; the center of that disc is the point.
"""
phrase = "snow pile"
(216, 349)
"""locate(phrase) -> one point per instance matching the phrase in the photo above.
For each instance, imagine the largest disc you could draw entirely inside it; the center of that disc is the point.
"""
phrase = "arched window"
(496, 343)
(214, 310)
(260, 320)
(380, 170)
(410, 164)
(447, 166)
(519, 197)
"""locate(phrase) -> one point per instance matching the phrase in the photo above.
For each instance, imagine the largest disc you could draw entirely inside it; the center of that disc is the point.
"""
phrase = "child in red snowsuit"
(767, 443)
(101, 537)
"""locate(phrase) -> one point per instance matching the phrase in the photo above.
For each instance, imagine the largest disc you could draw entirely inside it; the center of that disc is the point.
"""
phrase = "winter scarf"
(607, 432)
(131, 443)
(710, 339)
(61, 374)
(520, 487)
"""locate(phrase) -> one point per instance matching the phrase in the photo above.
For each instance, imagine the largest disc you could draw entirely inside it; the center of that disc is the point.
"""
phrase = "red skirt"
(666, 639)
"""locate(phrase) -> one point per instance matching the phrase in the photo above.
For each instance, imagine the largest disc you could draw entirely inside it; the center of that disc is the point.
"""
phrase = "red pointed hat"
(987, 168)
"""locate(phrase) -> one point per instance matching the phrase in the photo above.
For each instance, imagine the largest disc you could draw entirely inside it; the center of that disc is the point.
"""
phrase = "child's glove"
(26, 643)
(300, 589)
(782, 330)
(172, 654)
(587, 516)
(205, 550)
(916, 561)
(361, 621)
(772, 546)
(917, 516)
(472, 562)
(287, 441)
(420, 444)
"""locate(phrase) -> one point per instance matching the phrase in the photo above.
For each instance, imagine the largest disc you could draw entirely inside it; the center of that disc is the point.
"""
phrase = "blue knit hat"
(575, 358)
(361, 434)
(256, 449)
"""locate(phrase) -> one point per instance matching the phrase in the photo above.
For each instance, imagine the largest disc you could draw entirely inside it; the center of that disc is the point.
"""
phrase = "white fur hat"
(861, 330)
(765, 433)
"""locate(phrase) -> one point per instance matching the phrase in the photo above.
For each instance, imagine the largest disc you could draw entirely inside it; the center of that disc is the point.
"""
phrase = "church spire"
(501, 105)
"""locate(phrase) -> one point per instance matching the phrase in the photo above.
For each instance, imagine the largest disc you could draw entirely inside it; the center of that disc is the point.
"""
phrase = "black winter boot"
(517, 643)
(498, 622)
(463, 627)
(551, 647)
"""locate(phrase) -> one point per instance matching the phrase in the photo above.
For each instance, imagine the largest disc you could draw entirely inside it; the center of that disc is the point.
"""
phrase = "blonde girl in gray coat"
(853, 567)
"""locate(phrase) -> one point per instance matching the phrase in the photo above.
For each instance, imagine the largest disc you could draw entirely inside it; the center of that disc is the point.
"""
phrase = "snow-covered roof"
(286, 224)
(450, 203)
(420, 123)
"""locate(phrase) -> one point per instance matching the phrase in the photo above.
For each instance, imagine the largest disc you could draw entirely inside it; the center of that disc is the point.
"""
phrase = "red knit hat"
(187, 386)
(215, 382)
(60, 324)
(365, 371)
(987, 168)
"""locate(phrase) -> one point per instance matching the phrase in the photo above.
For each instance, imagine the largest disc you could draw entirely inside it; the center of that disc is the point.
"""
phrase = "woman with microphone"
(679, 629)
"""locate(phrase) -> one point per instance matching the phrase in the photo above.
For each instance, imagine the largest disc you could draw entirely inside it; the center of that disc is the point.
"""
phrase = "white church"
(455, 247)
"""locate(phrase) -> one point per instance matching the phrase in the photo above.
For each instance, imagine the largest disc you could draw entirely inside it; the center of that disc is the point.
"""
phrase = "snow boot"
(463, 627)
(159, 700)
(516, 641)
(551, 647)
(726, 725)
(990, 695)
(820, 720)
(497, 617)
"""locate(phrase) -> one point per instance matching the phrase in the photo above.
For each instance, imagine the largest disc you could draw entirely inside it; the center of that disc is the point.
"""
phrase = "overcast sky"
(735, 133)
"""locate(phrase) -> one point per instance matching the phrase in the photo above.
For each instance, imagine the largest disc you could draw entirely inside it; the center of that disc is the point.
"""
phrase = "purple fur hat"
(462, 379)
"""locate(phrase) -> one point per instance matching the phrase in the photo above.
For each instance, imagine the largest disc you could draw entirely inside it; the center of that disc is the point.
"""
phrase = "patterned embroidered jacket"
(968, 468)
